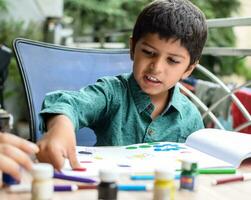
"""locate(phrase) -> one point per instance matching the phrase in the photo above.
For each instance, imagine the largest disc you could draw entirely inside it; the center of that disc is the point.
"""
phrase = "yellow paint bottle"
(164, 186)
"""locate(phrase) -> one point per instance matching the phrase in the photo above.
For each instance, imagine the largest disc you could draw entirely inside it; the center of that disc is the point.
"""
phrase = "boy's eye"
(148, 53)
(172, 61)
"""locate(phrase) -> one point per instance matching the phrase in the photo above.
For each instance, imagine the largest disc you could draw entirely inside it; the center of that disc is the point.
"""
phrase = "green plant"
(9, 31)
(2, 5)
(222, 37)
(13, 87)
(99, 18)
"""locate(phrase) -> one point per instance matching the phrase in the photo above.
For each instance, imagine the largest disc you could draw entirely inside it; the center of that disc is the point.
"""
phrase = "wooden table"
(205, 191)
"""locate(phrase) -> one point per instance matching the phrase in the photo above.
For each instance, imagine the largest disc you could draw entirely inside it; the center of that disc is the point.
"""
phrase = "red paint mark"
(80, 169)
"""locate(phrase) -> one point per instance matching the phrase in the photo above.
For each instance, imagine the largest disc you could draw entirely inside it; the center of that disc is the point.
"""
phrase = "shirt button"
(150, 132)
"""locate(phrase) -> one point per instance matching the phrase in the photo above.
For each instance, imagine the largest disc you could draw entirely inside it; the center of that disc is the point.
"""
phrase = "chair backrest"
(47, 67)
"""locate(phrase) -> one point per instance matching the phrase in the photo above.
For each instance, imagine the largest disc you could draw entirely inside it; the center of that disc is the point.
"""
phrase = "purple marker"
(64, 188)
(22, 188)
(73, 178)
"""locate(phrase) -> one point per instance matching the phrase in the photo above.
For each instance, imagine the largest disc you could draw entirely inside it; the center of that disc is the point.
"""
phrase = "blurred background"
(105, 24)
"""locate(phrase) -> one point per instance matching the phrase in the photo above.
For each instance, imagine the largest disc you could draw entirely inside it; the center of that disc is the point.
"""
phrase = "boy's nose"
(156, 66)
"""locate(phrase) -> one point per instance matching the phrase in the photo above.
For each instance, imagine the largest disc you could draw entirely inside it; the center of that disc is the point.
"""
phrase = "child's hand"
(58, 143)
(14, 153)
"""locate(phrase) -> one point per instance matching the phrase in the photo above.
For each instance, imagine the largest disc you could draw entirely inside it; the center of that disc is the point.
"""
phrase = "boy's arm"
(58, 143)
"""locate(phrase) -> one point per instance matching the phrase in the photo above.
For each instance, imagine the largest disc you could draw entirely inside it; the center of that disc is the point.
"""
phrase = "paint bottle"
(107, 188)
(42, 184)
(6, 122)
(188, 176)
(8, 180)
(164, 186)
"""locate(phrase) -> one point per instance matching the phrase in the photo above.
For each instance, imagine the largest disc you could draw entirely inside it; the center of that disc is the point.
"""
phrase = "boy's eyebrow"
(145, 43)
(171, 54)
(176, 55)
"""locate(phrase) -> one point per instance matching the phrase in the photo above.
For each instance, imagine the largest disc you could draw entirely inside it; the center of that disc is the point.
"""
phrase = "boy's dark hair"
(178, 19)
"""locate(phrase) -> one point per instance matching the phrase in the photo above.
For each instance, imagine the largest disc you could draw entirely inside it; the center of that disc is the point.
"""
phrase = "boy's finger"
(57, 159)
(57, 162)
(51, 153)
(73, 159)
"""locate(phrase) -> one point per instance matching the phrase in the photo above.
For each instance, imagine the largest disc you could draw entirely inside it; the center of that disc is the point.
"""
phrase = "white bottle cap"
(186, 164)
(164, 173)
(42, 171)
(108, 175)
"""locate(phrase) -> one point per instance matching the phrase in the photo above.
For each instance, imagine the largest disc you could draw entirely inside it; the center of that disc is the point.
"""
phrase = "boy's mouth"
(152, 79)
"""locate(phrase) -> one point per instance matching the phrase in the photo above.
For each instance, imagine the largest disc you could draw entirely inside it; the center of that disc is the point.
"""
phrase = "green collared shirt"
(120, 112)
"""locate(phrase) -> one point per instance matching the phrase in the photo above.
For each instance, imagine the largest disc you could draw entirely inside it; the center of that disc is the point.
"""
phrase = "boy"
(144, 106)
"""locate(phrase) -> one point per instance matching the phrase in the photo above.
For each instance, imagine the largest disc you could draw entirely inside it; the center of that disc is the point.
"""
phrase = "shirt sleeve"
(84, 107)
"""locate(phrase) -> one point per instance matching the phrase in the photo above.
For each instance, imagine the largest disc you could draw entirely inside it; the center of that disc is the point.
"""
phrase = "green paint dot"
(153, 143)
(145, 146)
(131, 147)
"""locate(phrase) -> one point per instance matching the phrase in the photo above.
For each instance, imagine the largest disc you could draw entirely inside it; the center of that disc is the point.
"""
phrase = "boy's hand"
(14, 153)
(58, 143)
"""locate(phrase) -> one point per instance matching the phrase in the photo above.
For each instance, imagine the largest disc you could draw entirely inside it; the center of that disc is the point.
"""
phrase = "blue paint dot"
(167, 145)
(168, 149)
(174, 145)
(158, 145)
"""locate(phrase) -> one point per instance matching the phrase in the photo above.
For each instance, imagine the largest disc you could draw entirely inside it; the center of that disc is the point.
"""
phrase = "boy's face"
(159, 64)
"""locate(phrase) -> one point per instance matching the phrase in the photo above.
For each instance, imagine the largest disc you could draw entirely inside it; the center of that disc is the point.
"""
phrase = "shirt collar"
(143, 101)
(175, 101)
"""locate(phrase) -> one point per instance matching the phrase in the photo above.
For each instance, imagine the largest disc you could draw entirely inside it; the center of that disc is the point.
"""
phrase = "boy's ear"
(189, 70)
(131, 47)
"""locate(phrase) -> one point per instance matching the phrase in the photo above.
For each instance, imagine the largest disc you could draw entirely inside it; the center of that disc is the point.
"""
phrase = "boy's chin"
(154, 93)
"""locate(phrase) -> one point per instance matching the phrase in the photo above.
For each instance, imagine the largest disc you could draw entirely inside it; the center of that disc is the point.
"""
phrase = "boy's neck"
(159, 103)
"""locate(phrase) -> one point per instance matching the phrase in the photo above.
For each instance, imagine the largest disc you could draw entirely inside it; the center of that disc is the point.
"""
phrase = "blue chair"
(47, 67)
